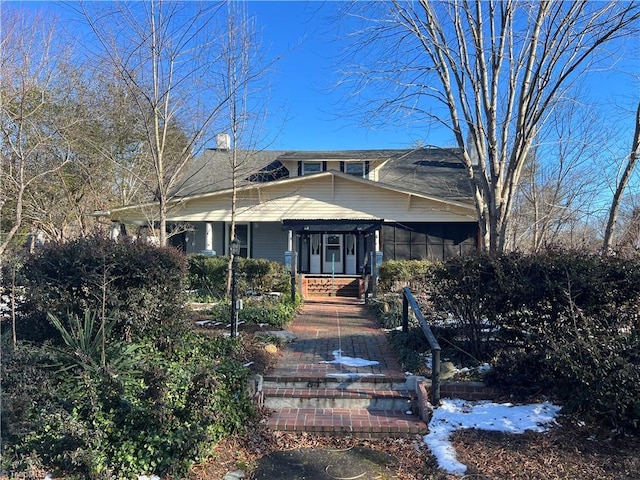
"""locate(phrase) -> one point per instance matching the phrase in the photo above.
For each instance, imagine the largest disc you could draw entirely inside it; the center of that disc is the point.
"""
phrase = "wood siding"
(327, 197)
(269, 241)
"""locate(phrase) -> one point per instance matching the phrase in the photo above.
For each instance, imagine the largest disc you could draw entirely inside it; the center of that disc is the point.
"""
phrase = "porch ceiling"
(328, 225)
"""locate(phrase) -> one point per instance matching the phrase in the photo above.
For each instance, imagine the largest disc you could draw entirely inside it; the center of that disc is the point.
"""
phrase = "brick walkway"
(327, 325)
(328, 330)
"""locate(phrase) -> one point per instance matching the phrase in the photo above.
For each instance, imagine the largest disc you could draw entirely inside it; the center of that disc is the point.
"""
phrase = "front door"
(350, 254)
(314, 253)
(333, 262)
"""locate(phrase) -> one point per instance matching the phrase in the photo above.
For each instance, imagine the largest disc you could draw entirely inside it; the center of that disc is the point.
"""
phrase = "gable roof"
(327, 195)
(433, 172)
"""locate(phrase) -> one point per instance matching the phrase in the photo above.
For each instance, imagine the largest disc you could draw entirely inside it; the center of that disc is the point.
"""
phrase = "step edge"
(337, 393)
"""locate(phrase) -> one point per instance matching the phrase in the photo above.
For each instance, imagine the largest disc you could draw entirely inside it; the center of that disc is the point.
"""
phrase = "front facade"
(333, 212)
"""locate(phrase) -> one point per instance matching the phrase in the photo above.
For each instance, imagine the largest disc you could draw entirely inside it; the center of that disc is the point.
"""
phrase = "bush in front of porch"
(207, 277)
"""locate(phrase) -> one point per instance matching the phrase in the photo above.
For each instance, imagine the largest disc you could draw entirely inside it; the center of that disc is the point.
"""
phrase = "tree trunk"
(622, 185)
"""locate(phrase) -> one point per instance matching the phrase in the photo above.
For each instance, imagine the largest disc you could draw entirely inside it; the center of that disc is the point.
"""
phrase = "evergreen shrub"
(208, 276)
(140, 286)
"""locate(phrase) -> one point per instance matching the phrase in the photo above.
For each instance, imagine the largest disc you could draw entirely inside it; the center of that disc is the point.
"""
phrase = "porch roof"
(332, 225)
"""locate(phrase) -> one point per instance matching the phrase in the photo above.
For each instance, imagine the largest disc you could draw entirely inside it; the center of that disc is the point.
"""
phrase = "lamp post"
(234, 250)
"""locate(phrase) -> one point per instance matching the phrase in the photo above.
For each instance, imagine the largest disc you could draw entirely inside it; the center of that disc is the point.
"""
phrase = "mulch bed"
(567, 451)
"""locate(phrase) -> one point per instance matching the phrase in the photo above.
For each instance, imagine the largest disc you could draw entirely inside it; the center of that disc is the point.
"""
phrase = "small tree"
(167, 56)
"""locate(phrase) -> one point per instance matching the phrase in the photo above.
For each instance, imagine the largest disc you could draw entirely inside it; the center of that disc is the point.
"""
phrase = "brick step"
(283, 397)
(349, 381)
(351, 293)
(326, 287)
(348, 422)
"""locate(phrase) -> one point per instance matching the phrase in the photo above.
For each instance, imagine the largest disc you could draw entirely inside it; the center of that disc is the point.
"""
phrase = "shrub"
(559, 322)
(120, 386)
(158, 413)
(140, 286)
(208, 276)
(275, 311)
(562, 323)
(396, 274)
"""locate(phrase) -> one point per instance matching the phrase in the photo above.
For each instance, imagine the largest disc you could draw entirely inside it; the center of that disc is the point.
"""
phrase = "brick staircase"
(367, 406)
(339, 376)
(327, 286)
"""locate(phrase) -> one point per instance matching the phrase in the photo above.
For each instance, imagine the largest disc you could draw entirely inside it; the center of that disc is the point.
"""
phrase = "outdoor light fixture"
(234, 251)
(234, 247)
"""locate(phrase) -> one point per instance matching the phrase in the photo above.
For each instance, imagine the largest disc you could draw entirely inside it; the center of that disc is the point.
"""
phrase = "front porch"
(335, 248)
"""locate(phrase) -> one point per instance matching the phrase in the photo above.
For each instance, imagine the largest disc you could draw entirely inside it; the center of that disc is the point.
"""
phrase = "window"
(311, 167)
(357, 169)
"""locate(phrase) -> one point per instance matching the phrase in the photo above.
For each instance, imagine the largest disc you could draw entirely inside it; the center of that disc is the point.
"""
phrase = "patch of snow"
(485, 367)
(354, 375)
(455, 414)
(394, 329)
(148, 477)
(429, 362)
(234, 475)
(350, 361)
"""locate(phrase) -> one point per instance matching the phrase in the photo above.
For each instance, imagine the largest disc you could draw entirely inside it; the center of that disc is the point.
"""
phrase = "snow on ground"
(455, 414)
(350, 361)
(353, 376)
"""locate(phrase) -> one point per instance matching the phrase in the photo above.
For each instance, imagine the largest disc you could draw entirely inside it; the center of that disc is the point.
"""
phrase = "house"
(332, 210)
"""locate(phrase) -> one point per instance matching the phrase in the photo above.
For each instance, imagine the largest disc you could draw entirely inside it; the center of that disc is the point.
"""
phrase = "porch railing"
(408, 300)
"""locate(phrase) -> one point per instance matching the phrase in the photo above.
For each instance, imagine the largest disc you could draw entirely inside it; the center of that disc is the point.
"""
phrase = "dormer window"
(311, 167)
(357, 169)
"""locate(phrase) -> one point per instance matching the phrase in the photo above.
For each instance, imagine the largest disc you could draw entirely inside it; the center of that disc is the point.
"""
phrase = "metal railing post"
(405, 312)
(435, 375)
(434, 346)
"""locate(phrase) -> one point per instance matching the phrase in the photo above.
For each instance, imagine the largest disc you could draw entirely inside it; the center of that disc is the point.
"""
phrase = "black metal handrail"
(409, 301)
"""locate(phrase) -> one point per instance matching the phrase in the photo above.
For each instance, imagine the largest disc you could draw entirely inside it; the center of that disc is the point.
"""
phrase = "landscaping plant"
(107, 392)
(559, 323)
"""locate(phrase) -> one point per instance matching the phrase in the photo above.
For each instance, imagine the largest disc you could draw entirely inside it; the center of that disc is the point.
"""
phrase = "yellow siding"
(322, 198)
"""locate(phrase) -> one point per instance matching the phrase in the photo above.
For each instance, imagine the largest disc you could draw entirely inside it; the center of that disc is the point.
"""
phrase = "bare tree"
(167, 54)
(559, 181)
(622, 185)
(33, 145)
(491, 72)
(245, 89)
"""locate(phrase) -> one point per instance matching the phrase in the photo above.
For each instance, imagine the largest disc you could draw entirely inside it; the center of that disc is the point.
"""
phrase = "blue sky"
(310, 114)
(305, 38)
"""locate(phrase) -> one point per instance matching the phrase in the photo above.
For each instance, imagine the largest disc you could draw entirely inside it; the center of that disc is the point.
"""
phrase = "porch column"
(293, 265)
(374, 263)
(208, 236)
